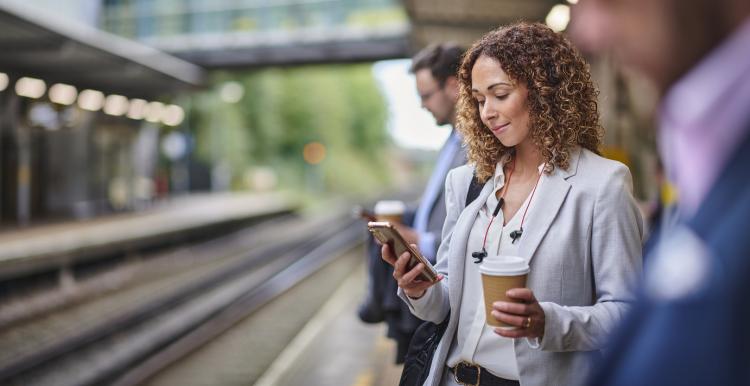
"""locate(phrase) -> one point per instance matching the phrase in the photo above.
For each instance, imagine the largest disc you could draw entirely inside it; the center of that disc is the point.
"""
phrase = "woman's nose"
(487, 112)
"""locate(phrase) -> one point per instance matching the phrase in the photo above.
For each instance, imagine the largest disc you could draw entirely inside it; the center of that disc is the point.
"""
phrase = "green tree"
(284, 109)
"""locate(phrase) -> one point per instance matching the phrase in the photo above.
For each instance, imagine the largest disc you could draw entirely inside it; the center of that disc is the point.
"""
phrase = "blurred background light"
(174, 145)
(410, 125)
(231, 92)
(30, 87)
(3, 81)
(314, 153)
(63, 94)
(116, 105)
(91, 100)
(572, 1)
(558, 17)
(154, 111)
(173, 115)
(137, 108)
(42, 114)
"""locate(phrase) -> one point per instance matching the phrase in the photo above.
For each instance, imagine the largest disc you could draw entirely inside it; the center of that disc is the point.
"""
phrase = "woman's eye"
(481, 103)
(501, 97)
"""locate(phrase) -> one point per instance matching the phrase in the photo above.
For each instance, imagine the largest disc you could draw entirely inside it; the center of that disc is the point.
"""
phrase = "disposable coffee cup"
(390, 210)
(499, 274)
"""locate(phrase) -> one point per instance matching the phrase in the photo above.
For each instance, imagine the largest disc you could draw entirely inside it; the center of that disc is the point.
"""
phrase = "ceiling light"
(116, 105)
(154, 111)
(30, 87)
(63, 94)
(91, 100)
(173, 115)
(558, 17)
(137, 108)
(3, 81)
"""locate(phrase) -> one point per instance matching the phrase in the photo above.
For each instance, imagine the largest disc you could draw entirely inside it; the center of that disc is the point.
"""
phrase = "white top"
(476, 341)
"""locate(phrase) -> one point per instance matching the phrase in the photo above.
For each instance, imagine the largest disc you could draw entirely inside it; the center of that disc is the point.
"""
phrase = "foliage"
(282, 110)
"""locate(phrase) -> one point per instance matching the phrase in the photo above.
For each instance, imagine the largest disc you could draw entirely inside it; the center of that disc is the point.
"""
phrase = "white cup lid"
(389, 208)
(504, 266)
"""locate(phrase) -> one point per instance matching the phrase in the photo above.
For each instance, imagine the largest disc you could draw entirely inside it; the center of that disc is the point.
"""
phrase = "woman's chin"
(505, 141)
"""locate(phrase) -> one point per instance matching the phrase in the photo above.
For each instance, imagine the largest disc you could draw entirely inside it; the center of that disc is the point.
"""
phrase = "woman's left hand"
(528, 315)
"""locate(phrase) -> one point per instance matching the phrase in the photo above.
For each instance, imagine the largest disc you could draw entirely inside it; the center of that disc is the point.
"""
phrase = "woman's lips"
(500, 129)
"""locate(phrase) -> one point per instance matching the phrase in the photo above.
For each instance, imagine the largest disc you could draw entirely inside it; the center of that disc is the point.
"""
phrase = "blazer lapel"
(549, 198)
(460, 240)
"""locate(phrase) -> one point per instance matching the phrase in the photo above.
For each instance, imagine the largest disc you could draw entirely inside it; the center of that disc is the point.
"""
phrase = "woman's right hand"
(410, 281)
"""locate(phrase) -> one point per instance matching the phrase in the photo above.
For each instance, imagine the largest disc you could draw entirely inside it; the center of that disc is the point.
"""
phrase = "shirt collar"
(698, 95)
(704, 116)
(499, 177)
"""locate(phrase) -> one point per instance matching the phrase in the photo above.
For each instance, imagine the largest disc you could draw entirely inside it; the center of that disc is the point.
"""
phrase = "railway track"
(131, 346)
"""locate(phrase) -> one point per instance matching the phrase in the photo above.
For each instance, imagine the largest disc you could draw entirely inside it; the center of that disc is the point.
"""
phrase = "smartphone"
(387, 234)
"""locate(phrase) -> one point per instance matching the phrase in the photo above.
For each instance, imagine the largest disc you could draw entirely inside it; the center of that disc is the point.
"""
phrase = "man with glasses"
(435, 69)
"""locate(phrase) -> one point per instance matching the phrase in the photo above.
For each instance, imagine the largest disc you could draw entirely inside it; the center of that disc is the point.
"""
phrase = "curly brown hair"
(563, 111)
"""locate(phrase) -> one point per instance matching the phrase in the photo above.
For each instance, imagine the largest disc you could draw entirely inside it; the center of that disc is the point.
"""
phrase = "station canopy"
(60, 50)
(464, 21)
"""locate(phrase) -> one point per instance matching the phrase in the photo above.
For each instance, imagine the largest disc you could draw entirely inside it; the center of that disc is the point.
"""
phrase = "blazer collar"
(575, 156)
(549, 199)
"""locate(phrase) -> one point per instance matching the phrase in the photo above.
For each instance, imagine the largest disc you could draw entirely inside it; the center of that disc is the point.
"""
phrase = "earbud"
(515, 235)
(479, 256)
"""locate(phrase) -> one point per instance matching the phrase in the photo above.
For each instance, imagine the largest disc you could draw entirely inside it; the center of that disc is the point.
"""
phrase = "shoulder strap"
(474, 188)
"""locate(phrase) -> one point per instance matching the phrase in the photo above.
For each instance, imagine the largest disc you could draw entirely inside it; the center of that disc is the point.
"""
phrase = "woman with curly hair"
(528, 114)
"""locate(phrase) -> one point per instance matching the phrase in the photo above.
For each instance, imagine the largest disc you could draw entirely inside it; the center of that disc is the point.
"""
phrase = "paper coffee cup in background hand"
(389, 210)
(499, 274)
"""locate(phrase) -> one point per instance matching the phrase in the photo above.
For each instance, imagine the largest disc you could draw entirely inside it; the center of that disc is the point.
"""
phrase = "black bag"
(427, 336)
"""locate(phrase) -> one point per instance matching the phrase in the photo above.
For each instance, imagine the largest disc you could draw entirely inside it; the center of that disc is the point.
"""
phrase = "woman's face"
(501, 101)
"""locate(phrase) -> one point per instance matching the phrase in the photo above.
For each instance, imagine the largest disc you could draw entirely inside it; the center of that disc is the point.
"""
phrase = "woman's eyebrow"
(499, 84)
(490, 87)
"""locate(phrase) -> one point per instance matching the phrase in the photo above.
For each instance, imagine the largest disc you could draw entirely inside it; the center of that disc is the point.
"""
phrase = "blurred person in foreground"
(690, 326)
(528, 113)
(435, 68)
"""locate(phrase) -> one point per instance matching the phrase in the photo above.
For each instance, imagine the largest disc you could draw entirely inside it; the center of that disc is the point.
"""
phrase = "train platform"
(336, 348)
(270, 303)
(49, 246)
(331, 346)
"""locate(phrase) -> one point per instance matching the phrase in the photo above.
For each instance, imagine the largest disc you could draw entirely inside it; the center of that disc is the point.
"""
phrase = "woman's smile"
(499, 129)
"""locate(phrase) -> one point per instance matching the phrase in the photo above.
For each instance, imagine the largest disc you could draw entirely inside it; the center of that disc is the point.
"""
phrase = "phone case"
(387, 234)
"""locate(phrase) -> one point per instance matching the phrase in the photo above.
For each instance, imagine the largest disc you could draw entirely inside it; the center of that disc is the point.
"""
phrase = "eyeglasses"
(426, 96)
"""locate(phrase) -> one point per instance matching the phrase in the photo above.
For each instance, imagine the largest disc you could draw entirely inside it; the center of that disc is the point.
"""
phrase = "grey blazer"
(584, 238)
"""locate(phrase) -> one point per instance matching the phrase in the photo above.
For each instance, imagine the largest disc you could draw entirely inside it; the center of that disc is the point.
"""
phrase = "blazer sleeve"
(615, 246)
(434, 305)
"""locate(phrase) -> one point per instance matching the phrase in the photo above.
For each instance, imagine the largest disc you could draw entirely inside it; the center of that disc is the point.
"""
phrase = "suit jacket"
(436, 218)
(691, 325)
(382, 303)
(583, 234)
